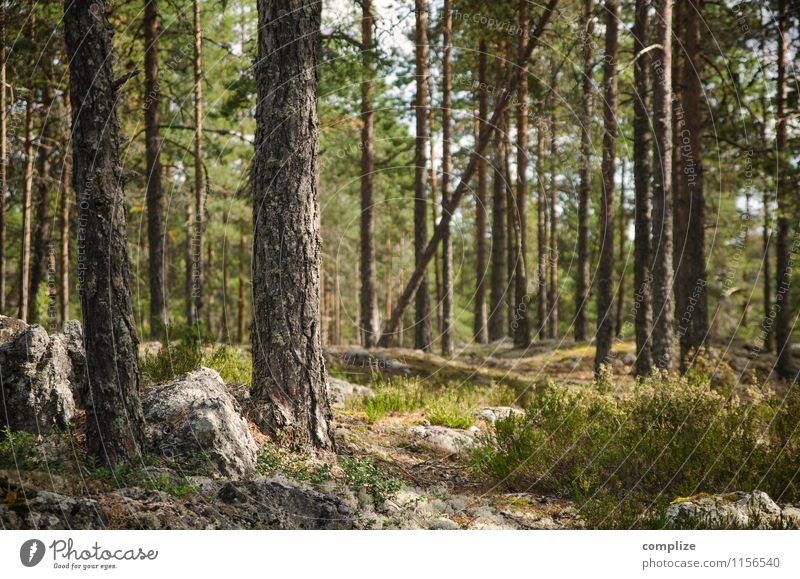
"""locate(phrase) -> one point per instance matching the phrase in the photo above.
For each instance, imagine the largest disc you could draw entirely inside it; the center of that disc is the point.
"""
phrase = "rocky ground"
(207, 466)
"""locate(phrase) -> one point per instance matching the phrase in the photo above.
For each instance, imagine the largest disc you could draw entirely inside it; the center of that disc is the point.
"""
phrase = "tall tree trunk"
(154, 194)
(480, 330)
(663, 305)
(199, 182)
(605, 269)
(541, 227)
(498, 310)
(27, 195)
(643, 311)
(418, 275)
(582, 276)
(289, 379)
(3, 157)
(511, 218)
(521, 324)
(114, 420)
(422, 322)
(552, 298)
(189, 259)
(369, 292)
(691, 272)
(447, 169)
(783, 269)
(240, 300)
(437, 274)
(63, 224)
(622, 225)
(42, 223)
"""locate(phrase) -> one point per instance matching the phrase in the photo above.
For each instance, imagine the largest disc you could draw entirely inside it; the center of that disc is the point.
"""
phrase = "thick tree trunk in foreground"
(582, 274)
(422, 321)
(605, 270)
(154, 193)
(114, 421)
(783, 270)
(369, 292)
(480, 322)
(199, 182)
(663, 305)
(643, 311)
(521, 324)
(289, 379)
(447, 169)
(692, 310)
(418, 275)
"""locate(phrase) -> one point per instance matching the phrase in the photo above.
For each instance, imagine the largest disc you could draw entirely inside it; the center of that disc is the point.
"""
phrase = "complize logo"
(32, 552)
(67, 555)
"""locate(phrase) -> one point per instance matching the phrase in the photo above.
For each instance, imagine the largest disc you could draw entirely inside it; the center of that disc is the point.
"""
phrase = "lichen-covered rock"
(71, 336)
(737, 508)
(36, 373)
(443, 439)
(194, 419)
(492, 414)
(339, 390)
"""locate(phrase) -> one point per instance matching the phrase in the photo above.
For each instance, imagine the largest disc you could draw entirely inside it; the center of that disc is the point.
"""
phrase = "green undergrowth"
(234, 365)
(623, 458)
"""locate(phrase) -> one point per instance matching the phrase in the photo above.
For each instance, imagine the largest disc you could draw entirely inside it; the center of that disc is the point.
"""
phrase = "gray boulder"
(731, 509)
(339, 390)
(37, 377)
(195, 420)
(443, 439)
(492, 414)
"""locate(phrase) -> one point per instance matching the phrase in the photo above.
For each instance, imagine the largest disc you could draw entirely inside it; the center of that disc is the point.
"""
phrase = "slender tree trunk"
(42, 222)
(27, 194)
(584, 191)
(498, 323)
(369, 292)
(447, 168)
(3, 157)
(114, 420)
(418, 275)
(605, 269)
(240, 301)
(765, 238)
(422, 322)
(663, 305)
(66, 167)
(622, 224)
(643, 311)
(154, 193)
(189, 258)
(224, 326)
(541, 228)
(521, 323)
(480, 330)
(783, 269)
(552, 299)
(289, 389)
(199, 182)
(437, 274)
(691, 274)
(209, 290)
(511, 219)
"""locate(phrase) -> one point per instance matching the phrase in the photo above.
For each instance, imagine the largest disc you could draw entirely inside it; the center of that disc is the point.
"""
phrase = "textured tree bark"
(154, 193)
(552, 297)
(114, 421)
(447, 169)
(289, 379)
(622, 225)
(3, 157)
(784, 253)
(498, 322)
(541, 228)
(643, 311)
(27, 199)
(692, 310)
(199, 182)
(422, 321)
(369, 295)
(480, 330)
(663, 304)
(418, 274)
(605, 269)
(584, 190)
(521, 324)
(63, 223)
(42, 223)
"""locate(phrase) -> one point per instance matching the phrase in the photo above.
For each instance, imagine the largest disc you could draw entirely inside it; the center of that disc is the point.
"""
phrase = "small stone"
(443, 524)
